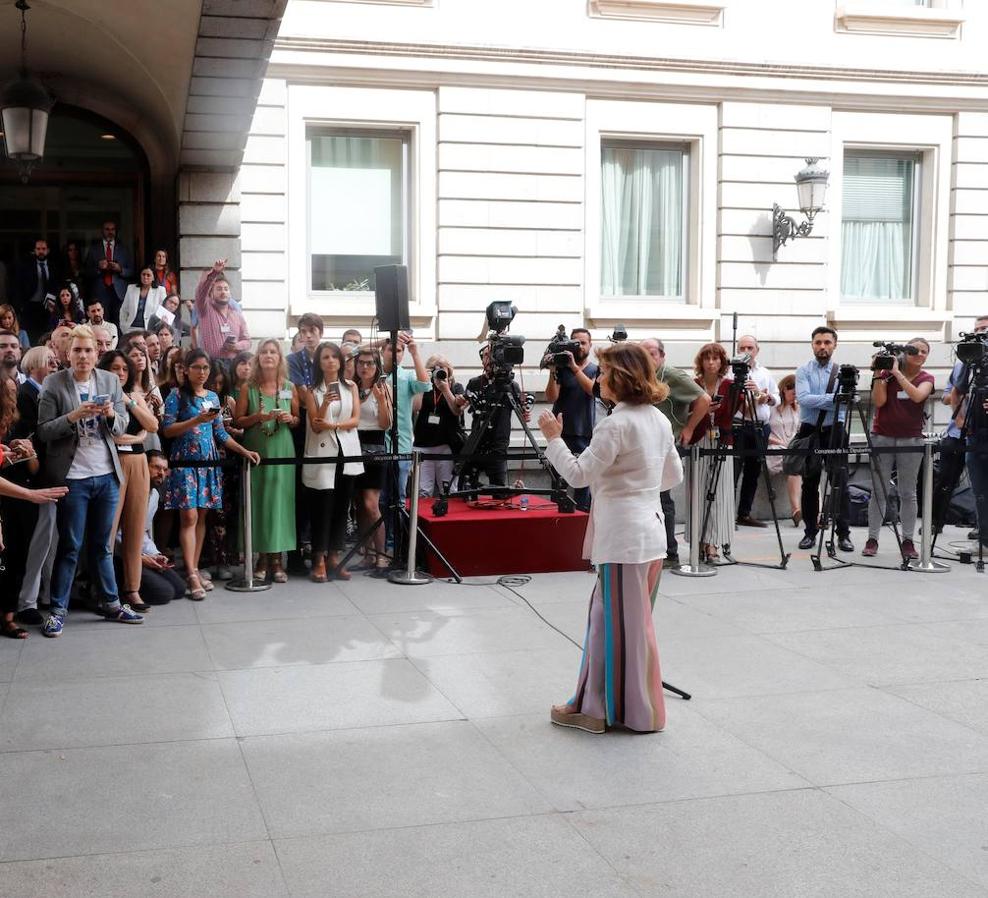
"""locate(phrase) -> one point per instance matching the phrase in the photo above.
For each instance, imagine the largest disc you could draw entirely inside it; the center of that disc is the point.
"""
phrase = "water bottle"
(523, 503)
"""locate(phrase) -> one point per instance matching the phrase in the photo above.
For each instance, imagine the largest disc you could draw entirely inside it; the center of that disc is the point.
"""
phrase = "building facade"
(615, 161)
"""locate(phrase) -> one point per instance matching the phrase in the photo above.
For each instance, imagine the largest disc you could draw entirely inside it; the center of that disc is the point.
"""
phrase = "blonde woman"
(267, 411)
(439, 425)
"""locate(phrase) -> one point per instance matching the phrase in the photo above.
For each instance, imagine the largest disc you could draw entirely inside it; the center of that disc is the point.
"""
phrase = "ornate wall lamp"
(811, 186)
(24, 108)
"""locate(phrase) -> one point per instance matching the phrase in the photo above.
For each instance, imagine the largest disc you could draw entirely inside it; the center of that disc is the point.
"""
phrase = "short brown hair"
(311, 320)
(630, 374)
(711, 349)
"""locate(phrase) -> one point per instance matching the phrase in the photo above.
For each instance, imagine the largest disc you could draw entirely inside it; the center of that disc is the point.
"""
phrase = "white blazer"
(128, 308)
(331, 443)
(630, 460)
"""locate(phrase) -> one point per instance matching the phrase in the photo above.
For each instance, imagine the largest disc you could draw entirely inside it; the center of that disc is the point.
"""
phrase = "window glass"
(877, 254)
(358, 210)
(643, 221)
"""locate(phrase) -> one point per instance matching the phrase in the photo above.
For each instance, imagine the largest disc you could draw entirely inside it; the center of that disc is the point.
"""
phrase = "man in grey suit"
(80, 410)
(109, 266)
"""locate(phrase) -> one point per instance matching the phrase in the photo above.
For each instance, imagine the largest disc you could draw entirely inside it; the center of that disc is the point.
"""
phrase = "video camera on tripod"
(506, 350)
(890, 353)
(972, 349)
(555, 353)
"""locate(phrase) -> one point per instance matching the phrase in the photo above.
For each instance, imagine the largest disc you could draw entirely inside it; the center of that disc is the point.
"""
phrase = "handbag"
(803, 462)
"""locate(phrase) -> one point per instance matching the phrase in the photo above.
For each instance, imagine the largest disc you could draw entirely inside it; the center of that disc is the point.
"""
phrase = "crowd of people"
(124, 411)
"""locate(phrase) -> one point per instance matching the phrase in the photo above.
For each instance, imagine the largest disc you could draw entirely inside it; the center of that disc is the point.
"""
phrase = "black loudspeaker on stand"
(391, 297)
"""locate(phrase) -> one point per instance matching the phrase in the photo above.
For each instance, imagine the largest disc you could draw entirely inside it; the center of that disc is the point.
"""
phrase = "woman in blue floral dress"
(194, 423)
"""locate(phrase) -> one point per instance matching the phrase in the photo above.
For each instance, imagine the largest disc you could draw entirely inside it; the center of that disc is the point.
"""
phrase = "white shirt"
(766, 384)
(92, 456)
(631, 459)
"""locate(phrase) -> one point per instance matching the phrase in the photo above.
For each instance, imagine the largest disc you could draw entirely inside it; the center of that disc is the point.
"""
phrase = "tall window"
(643, 220)
(879, 226)
(358, 207)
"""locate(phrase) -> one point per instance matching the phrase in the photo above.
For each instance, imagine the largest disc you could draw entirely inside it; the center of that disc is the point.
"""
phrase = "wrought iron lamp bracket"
(784, 228)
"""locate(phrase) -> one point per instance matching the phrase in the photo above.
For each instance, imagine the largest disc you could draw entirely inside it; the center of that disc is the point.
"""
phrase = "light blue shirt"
(955, 377)
(408, 387)
(811, 392)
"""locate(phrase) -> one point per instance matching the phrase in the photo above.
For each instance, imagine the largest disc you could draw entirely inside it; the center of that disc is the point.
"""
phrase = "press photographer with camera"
(898, 393)
(631, 458)
(752, 435)
(815, 389)
(571, 391)
(439, 425)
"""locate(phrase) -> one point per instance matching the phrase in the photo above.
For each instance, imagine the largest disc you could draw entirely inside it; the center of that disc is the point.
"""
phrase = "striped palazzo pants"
(620, 680)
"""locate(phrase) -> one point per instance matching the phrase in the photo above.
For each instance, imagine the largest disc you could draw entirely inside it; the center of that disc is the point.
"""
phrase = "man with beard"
(816, 382)
(221, 329)
(36, 281)
(570, 390)
(10, 356)
(96, 319)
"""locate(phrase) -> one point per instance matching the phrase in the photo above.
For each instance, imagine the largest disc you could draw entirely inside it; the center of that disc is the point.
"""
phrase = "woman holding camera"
(439, 426)
(898, 395)
(194, 423)
(631, 458)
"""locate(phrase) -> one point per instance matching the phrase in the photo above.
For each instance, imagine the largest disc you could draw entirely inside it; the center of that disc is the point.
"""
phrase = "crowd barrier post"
(410, 576)
(925, 563)
(247, 583)
(695, 568)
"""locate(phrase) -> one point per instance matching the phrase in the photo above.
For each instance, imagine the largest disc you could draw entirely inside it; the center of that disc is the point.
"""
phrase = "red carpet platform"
(505, 540)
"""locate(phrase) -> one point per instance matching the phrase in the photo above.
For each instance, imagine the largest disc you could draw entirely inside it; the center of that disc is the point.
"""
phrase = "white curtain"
(877, 227)
(641, 222)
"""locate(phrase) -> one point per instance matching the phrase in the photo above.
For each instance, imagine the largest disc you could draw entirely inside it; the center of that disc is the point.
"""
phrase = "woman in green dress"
(267, 410)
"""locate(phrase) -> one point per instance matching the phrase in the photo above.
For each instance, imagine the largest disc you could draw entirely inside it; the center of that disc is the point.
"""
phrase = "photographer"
(498, 437)
(898, 395)
(752, 435)
(815, 390)
(439, 426)
(570, 390)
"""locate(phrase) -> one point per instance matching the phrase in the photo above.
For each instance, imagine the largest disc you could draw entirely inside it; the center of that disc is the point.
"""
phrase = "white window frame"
(917, 158)
(930, 137)
(372, 112)
(693, 127)
(405, 136)
(937, 19)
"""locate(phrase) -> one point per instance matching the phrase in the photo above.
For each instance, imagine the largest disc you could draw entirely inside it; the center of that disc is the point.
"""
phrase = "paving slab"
(331, 696)
(248, 870)
(692, 758)
(110, 799)
(10, 655)
(297, 599)
(852, 735)
(537, 857)
(963, 701)
(940, 816)
(803, 843)
(384, 777)
(374, 596)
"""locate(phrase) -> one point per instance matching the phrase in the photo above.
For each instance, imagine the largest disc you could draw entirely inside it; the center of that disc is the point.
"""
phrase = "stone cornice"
(629, 63)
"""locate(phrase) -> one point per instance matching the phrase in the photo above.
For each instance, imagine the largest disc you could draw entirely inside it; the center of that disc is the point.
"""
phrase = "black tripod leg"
(685, 696)
(361, 539)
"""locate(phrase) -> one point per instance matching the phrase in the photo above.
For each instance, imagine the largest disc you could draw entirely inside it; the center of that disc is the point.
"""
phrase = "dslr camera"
(891, 352)
(559, 345)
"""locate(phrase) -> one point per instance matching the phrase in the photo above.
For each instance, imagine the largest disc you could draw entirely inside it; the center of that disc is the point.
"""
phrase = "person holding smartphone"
(194, 423)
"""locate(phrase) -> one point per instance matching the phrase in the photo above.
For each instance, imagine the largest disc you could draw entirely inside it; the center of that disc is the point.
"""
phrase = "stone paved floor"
(365, 739)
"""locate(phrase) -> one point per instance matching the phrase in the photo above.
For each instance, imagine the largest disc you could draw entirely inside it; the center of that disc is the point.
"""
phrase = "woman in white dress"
(784, 422)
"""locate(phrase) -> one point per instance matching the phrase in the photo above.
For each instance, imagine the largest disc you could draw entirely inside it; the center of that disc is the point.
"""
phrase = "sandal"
(383, 561)
(318, 574)
(134, 600)
(196, 591)
(797, 516)
(12, 631)
(336, 568)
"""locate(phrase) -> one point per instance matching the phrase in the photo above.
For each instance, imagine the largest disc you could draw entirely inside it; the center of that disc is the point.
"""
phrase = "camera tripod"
(740, 395)
(835, 468)
(497, 395)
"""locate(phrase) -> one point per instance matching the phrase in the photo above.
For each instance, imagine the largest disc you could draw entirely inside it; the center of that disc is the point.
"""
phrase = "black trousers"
(837, 471)
(576, 444)
(952, 461)
(495, 468)
(750, 436)
(157, 587)
(19, 519)
(329, 509)
(669, 513)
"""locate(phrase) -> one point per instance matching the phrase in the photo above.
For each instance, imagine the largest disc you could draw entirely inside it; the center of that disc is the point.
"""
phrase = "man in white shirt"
(752, 435)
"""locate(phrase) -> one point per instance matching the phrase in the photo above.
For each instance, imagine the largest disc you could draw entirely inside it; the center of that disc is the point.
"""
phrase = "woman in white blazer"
(140, 303)
(631, 459)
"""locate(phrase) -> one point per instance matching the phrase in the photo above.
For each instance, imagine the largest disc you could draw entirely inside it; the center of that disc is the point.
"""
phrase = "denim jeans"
(977, 471)
(86, 512)
(404, 469)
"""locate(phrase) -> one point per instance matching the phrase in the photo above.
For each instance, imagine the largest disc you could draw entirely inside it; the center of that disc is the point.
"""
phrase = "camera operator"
(571, 391)
(686, 407)
(974, 445)
(498, 437)
(815, 389)
(752, 435)
(899, 395)
(439, 426)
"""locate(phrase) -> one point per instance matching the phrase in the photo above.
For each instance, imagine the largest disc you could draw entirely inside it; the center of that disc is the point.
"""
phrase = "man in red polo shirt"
(222, 330)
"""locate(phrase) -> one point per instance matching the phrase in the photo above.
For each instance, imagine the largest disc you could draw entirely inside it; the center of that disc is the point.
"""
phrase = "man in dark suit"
(36, 281)
(109, 267)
